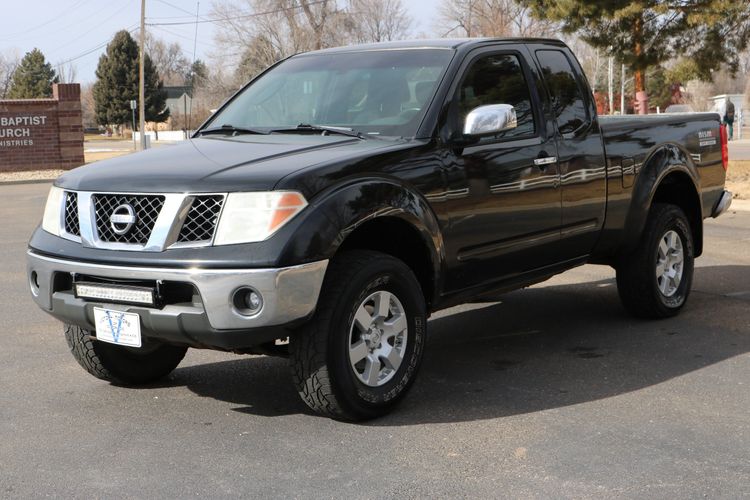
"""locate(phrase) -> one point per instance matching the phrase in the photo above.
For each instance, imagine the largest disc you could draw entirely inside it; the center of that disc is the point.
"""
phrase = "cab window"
(566, 95)
(498, 79)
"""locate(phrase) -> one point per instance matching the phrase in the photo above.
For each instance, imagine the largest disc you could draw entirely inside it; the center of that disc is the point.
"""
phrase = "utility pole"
(622, 91)
(133, 105)
(141, 90)
(611, 86)
(192, 72)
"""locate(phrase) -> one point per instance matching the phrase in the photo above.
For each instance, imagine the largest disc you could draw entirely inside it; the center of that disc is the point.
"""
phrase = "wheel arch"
(668, 176)
(384, 215)
(405, 242)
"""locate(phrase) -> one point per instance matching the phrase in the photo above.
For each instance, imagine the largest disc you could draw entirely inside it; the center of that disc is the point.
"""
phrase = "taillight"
(724, 147)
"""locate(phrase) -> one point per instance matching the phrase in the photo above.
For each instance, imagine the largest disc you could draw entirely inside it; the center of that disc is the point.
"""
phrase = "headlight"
(52, 211)
(250, 217)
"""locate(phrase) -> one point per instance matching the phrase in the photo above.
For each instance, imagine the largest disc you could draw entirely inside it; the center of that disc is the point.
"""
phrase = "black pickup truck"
(343, 195)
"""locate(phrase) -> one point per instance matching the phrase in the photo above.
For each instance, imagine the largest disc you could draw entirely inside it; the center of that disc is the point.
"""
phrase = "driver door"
(505, 210)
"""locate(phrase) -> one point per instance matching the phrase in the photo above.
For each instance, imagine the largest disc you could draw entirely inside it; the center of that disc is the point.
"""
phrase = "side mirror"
(490, 119)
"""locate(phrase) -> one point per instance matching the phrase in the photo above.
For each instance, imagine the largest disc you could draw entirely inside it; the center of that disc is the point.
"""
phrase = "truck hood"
(216, 164)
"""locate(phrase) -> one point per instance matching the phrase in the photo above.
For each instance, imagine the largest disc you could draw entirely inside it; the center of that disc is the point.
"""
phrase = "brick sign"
(37, 134)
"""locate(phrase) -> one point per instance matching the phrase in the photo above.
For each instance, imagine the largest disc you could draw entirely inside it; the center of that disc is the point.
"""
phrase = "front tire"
(655, 280)
(122, 365)
(358, 355)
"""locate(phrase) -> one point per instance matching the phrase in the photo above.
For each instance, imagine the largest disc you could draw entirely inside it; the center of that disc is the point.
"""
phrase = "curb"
(741, 205)
(26, 181)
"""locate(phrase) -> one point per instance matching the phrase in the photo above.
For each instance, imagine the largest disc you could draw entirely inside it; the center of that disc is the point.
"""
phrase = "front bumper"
(210, 319)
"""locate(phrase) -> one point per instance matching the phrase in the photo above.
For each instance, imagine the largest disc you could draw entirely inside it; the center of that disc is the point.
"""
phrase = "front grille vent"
(72, 225)
(146, 210)
(200, 223)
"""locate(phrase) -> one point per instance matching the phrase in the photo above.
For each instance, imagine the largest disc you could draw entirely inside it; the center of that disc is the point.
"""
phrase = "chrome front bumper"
(289, 293)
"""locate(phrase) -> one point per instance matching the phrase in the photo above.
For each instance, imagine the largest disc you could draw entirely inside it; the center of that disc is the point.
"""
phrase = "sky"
(77, 31)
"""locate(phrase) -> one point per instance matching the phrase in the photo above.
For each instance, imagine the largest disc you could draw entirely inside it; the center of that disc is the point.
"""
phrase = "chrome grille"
(72, 225)
(146, 207)
(201, 220)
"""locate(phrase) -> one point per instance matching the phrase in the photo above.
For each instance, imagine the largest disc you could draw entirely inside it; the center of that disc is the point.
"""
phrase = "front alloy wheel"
(358, 355)
(378, 338)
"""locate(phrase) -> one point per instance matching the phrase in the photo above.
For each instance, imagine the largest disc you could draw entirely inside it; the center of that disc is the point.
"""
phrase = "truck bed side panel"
(641, 151)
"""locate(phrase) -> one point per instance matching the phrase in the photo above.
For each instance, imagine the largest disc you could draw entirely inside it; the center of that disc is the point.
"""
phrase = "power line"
(130, 29)
(192, 66)
(233, 18)
(205, 44)
(67, 11)
(57, 48)
(190, 14)
(184, 37)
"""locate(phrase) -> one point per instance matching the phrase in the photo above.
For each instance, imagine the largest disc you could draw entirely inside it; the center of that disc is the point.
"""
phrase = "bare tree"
(290, 26)
(253, 34)
(169, 60)
(491, 18)
(726, 83)
(378, 20)
(592, 62)
(698, 93)
(273, 29)
(260, 53)
(67, 73)
(8, 64)
(88, 106)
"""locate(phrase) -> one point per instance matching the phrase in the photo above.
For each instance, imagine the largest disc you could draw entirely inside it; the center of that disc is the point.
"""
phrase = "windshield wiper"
(306, 127)
(231, 129)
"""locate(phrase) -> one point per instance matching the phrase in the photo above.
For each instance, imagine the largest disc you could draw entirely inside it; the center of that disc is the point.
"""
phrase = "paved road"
(106, 146)
(554, 392)
(739, 149)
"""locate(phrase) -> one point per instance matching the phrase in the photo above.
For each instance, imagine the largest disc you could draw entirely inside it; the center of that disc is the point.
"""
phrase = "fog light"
(34, 283)
(253, 301)
(247, 301)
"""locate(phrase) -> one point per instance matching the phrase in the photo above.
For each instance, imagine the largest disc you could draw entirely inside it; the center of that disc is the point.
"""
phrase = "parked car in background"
(678, 108)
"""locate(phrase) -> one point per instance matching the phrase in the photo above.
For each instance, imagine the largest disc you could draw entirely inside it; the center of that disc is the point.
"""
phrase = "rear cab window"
(565, 92)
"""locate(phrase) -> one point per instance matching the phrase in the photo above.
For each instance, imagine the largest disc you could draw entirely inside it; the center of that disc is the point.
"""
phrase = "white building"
(740, 111)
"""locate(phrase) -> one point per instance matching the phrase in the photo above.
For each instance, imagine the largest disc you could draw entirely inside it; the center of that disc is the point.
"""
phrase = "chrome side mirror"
(490, 119)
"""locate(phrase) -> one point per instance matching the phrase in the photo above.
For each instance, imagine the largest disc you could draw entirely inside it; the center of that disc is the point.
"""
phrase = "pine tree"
(196, 75)
(646, 33)
(156, 98)
(117, 84)
(33, 78)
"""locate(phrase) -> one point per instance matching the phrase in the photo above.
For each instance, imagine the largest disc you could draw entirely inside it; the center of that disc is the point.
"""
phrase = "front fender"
(337, 212)
(664, 161)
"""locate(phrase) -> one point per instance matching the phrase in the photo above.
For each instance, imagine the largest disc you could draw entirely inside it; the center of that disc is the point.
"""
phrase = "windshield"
(383, 93)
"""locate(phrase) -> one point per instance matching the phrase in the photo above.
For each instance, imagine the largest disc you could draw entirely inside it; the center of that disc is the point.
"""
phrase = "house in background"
(179, 100)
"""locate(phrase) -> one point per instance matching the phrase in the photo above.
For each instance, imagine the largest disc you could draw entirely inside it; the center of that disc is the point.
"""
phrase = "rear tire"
(358, 356)
(655, 280)
(122, 365)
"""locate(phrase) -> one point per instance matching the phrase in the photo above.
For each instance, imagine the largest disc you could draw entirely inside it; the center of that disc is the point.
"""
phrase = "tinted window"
(498, 79)
(565, 93)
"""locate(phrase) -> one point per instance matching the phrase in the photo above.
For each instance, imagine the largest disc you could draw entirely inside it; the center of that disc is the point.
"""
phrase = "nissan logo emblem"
(122, 219)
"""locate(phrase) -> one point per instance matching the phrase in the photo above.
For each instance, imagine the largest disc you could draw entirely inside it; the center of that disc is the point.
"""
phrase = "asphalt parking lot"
(553, 392)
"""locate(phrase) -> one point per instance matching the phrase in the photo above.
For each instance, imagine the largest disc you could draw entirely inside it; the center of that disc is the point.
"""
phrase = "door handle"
(540, 162)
